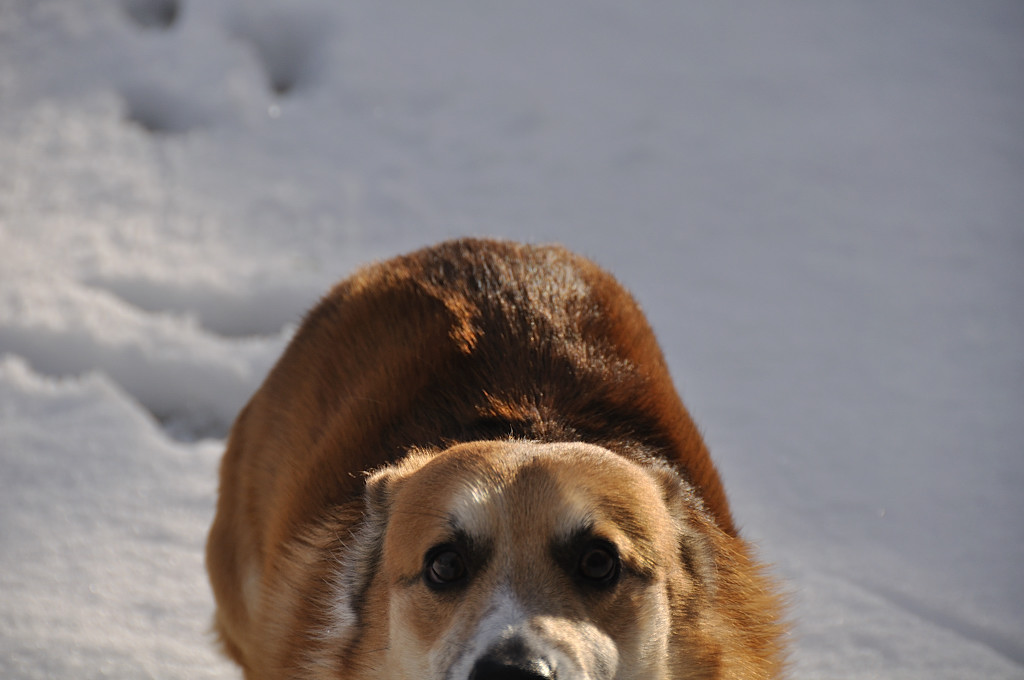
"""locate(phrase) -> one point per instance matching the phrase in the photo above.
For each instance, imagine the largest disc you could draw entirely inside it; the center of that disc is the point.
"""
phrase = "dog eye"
(599, 564)
(444, 566)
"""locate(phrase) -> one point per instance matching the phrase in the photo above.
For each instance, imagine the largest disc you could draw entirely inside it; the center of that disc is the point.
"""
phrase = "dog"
(471, 463)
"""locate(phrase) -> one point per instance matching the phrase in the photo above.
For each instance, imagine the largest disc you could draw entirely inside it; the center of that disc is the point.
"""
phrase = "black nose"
(499, 667)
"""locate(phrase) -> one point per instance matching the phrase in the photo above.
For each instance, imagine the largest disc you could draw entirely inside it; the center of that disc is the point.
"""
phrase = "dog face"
(523, 560)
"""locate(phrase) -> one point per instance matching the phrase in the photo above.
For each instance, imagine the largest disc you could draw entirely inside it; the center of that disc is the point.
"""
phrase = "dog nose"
(514, 658)
(498, 668)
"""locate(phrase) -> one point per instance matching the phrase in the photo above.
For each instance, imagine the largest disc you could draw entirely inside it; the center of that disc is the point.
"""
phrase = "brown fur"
(481, 352)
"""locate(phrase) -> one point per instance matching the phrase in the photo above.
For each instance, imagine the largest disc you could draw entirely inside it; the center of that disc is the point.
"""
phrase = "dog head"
(530, 561)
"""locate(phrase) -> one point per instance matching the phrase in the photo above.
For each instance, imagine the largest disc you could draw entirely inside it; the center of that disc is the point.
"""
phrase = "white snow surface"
(820, 206)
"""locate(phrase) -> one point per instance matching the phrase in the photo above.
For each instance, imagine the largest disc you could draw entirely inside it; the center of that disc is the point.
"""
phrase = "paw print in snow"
(159, 14)
(288, 44)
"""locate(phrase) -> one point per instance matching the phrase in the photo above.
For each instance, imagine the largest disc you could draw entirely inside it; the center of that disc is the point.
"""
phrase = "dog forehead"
(480, 486)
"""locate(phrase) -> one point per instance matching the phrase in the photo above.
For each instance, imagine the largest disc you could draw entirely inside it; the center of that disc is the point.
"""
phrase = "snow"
(819, 206)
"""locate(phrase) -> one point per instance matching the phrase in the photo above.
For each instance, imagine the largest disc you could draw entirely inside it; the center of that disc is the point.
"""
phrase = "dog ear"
(362, 550)
(382, 483)
(696, 551)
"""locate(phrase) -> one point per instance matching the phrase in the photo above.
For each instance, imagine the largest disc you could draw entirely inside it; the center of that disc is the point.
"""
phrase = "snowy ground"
(819, 204)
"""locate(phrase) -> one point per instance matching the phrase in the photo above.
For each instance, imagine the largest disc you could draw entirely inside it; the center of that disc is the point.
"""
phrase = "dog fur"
(471, 462)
